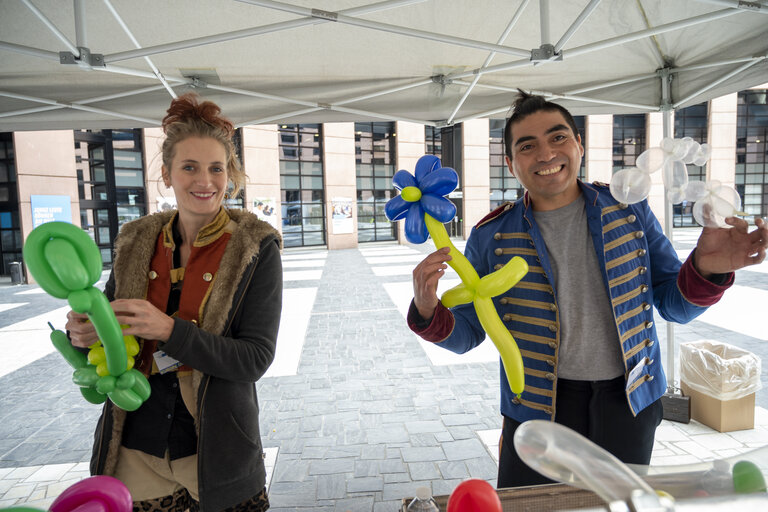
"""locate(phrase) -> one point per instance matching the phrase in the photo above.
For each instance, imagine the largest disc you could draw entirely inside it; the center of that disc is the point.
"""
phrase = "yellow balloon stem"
(486, 311)
(458, 261)
(505, 343)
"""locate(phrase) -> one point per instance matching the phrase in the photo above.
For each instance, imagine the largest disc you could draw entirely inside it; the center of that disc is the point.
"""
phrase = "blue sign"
(50, 208)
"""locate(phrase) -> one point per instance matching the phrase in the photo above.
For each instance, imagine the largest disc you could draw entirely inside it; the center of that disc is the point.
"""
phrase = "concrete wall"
(475, 179)
(45, 165)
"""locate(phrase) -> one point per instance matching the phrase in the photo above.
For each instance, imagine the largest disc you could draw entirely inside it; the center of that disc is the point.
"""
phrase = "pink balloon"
(474, 495)
(94, 494)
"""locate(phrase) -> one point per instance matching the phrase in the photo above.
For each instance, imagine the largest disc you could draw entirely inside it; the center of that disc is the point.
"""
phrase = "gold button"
(497, 266)
(649, 378)
(648, 324)
(207, 277)
(553, 307)
(548, 411)
(551, 376)
(553, 327)
(152, 274)
(646, 306)
(623, 206)
(552, 345)
(639, 234)
(508, 317)
(498, 252)
(551, 362)
(649, 343)
(642, 270)
(497, 236)
(644, 288)
(503, 300)
(632, 218)
(641, 253)
(194, 321)
(516, 401)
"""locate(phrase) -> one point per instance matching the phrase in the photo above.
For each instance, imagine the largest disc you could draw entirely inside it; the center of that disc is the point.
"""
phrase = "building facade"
(327, 184)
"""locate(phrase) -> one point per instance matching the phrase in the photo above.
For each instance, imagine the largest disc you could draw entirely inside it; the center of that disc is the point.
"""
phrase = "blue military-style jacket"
(639, 269)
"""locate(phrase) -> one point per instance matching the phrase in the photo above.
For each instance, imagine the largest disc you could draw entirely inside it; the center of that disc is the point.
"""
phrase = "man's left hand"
(723, 250)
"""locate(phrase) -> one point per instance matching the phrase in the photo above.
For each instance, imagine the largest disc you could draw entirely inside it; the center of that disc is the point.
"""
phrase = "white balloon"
(630, 186)
(729, 195)
(705, 152)
(651, 160)
(681, 147)
(706, 214)
(668, 144)
(693, 150)
(695, 190)
(676, 195)
(675, 175)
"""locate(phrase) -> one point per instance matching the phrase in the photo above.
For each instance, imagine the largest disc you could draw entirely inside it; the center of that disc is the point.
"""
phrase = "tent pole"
(250, 32)
(384, 92)
(135, 42)
(386, 27)
(243, 92)
(28, 50)
(276, 117)
(75, 106)
(544, 21)
(48, 23)
(668, 131)
(488, 60)
(753, 6)
(81, 32)
(576, 24)
(388, 117)
(718, 81)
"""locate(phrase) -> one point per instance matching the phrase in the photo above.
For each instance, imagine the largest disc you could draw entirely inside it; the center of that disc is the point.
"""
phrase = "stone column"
(340, 180)
(410, 147)
(475, 180)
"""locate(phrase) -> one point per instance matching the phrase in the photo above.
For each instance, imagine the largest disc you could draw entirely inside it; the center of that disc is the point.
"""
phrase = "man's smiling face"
(546, 156)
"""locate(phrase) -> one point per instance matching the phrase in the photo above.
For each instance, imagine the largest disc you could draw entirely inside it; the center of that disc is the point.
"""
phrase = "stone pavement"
(357, 412)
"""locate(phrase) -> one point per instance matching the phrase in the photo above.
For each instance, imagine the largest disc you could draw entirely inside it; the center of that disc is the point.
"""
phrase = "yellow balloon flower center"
(411, 194)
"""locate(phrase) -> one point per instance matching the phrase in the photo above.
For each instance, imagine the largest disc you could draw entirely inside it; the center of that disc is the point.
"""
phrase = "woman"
(201, 287)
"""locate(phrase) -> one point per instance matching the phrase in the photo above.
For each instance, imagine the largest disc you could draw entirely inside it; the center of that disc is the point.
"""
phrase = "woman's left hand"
(144, 319)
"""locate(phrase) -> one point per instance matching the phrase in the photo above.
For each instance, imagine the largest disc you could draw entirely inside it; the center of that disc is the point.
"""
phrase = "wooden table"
(536, 498)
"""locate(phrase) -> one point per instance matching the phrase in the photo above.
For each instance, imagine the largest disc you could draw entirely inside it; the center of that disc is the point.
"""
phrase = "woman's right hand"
(82, 333)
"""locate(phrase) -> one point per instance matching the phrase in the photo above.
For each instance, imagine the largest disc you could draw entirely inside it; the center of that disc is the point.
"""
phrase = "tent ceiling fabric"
(397, 60)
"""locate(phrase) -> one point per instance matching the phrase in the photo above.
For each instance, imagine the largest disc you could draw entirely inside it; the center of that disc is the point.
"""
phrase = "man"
(582, 316)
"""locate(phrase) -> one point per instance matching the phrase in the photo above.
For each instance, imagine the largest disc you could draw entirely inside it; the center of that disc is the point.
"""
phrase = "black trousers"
(598, 410)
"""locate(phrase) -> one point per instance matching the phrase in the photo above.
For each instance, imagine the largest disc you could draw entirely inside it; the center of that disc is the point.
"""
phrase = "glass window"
(752, 151)
(374, 157)
(301, 181)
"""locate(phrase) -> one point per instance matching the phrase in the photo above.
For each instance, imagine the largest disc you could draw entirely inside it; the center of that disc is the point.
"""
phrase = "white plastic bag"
(719, 370)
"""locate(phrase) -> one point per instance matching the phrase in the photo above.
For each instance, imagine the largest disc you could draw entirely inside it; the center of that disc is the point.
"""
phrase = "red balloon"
(474, 495)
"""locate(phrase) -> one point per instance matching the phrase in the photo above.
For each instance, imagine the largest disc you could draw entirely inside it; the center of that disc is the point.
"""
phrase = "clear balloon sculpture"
(713, 201)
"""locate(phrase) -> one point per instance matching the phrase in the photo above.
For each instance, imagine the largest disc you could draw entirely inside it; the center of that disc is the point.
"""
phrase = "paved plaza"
(356, 411)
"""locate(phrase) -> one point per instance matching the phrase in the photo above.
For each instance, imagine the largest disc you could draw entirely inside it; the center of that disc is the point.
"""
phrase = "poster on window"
(50, 208)
(264, 208)
(342, 215)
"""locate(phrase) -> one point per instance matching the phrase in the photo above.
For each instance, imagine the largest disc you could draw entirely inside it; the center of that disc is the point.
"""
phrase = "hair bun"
(189, 107)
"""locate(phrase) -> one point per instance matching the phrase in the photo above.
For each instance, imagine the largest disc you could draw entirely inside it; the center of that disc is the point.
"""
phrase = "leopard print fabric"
(181, 501)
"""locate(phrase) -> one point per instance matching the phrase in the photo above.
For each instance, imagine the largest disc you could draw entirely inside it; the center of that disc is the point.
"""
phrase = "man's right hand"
(425, 278)
(82, 333)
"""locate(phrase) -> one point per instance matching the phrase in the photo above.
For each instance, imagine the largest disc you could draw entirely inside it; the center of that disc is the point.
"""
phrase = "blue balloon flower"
(423, 194)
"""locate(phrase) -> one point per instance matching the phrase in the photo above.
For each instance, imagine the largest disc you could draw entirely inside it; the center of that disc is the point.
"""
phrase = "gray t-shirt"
(589, 343)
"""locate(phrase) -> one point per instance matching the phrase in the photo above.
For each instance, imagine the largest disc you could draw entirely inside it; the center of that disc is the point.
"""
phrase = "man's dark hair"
(526, 104)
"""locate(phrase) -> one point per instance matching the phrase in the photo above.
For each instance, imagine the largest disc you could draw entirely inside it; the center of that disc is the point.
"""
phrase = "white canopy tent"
(95, 64)
(114, 63)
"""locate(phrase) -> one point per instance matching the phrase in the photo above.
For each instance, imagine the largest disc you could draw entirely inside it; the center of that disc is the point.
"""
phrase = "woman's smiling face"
(198, 175)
